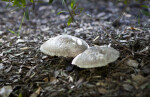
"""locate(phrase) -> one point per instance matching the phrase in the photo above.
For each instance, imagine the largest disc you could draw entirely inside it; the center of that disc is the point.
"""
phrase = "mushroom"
(96, 56)
(64, 45)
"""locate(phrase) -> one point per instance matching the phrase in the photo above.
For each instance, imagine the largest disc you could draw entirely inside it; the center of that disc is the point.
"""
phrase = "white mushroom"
(64, 45)
(96, 56)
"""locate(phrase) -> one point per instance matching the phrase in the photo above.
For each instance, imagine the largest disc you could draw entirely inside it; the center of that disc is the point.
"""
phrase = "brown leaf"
(53, 80)
(133, 28)
(132, 63)
(102, 91)
(100, 83)
(29, 72)
(36, 93)
(46, 79)
(139, 79)
(80, 81)
(24, 48)
(8, 69)
(127, 87)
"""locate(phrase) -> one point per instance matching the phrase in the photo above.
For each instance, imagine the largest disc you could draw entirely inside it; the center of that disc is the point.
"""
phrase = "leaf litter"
(30, 73)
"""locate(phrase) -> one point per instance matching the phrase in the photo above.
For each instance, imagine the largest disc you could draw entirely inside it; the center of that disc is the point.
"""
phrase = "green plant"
(72, 8)
(145, 12)
(18, 33)
(127, 3)
(21, 4)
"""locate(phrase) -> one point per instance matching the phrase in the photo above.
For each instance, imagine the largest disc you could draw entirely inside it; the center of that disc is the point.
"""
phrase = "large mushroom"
(96, 56)
(64, 45)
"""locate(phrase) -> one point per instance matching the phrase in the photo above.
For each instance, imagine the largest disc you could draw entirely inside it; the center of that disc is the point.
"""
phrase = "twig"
(113, 40)
(124, 59)
(121, 15)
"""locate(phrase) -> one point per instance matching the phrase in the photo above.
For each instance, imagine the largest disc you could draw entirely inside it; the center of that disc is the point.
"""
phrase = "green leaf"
(13, 32)
(69, 21)
(145, 13)
(72, 4)
(20, 95)
(145, 85)
(61, 12)
(23, 3)
(139, 20)
(63, 2)
(7, 5)
(50, 2)
(21, 22)
(81, 9)
(32, 1)
(6, 0)
(125, 2)
(15, 3)
(144, 6)
(19, 3)
(27, 14)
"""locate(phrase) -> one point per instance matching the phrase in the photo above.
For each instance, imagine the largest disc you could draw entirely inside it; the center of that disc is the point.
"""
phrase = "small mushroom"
(64, 45)
(96, 56)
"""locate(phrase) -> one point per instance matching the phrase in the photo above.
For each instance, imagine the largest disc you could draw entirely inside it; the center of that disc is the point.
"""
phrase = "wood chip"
(139, 79)
(102, 91)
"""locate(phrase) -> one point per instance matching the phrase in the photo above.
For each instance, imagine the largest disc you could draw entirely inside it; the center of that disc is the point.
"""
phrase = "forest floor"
(29, 72)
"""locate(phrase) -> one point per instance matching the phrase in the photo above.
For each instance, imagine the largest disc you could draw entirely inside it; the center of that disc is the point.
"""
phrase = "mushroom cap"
(64, 45)
(96, 56)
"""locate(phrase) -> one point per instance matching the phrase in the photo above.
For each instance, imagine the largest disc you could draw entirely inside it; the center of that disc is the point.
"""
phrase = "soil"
(31, 73)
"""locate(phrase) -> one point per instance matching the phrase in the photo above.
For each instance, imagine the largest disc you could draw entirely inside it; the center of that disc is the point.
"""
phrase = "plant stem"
(65, 2)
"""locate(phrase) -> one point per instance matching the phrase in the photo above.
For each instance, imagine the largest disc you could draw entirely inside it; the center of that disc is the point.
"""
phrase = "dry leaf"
(100, 83)
(24, 48)
(133, 28)
(70, 78)
(1, 41)
(29, 72)
(1, 32)
(53, 80)
(5, 91)
(139, 79)
(102, 91)
(80, 81)
(132, 63)
(46, 79)
(1, 66)
(20, 41)
(44, 57)
(36, 93)
(8, 69)
(127, 87)
(95, 38)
